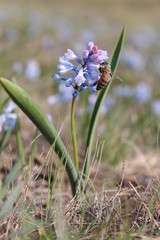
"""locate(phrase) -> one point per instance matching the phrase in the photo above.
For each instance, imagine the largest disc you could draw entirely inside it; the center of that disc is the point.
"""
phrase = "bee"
(105, 77)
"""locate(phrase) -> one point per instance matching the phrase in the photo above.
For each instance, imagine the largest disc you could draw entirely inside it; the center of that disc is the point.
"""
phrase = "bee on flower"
(81, 73)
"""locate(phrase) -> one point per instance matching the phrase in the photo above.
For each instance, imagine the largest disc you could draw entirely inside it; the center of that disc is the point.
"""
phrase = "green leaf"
(41, 121)
(94, 118)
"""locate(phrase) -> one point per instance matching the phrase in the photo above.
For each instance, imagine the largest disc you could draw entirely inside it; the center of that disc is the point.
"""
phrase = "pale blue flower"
(53, 99)
(144, 38)
(155, 107)
(10, 121)
(18, 67)
(49, 117)
(124, 91)
(11, 34)
(32, 70)
(86, 35)
(79, 79)
(2, 121)
(47, 42)
(8, 117)
(143, 92)
(11, 107)
(70, 55)
(81, 73)
(65, 66)
(64, 96)
(133, 59)
(108, 103)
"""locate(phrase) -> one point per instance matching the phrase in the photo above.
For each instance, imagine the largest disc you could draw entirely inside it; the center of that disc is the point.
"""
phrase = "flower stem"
(74, 133)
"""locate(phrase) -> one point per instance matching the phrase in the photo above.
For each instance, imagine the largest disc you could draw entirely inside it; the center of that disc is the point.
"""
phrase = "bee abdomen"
(101, 85)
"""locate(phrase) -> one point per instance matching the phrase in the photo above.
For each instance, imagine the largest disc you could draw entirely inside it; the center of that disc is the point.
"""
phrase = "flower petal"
(79, 79)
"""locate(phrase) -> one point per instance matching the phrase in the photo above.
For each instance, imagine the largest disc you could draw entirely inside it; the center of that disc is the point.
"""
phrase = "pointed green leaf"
(94, 118)
(41, 121)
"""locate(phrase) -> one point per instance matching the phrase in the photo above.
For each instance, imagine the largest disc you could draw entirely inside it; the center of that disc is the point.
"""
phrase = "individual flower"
(32, 70)
(143, 92)
(8, 117)
(18, 67)
(155, 107)
(108, 103)
(124, 91)
(81, 73)
(133, 59)
(64, 95)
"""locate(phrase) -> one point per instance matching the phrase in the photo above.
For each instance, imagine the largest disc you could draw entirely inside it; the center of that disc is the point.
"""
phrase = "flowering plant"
(81, 75)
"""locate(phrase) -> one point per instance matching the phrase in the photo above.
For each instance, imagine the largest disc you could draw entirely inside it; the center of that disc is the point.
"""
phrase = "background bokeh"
(33, 34)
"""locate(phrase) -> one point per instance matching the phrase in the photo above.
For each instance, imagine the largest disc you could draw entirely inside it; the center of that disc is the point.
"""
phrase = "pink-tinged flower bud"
(93, 57)
(85, 54)
(103, 55)
(94, 49)
(90, 46)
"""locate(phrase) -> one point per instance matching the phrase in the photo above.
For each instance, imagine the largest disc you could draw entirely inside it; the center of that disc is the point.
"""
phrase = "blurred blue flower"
(87, 35)
(8, 118)
(36, 23)
(124, 91)
(47, 42)
(144, 38)
(49, 117)
(108, 103)
(132, 59)
(143, 92)
(53, 99)
(2, 121)
(11, 34)
(18, 67)
(32, 70)
(82, 73)
(64, 96)
(155, 107)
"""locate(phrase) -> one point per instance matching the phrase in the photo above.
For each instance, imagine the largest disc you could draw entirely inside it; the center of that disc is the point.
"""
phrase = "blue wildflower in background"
(143, 92)
(64, 96)
(108, 103)
(155, 107)
(32, 70)
(81, 73)
(8, 117)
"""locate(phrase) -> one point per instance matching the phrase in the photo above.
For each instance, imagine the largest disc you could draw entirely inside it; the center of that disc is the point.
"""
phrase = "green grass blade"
(10, 178)
(2, 106)
(8, 205)
(20, 143)
(94, 118)
(5, 138)
(33, 147)
(41, 121)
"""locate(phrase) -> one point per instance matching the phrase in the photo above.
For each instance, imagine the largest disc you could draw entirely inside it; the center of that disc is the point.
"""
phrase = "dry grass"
(125, 209)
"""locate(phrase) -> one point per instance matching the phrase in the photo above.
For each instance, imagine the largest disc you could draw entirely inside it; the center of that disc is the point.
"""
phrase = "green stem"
(74, 133)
